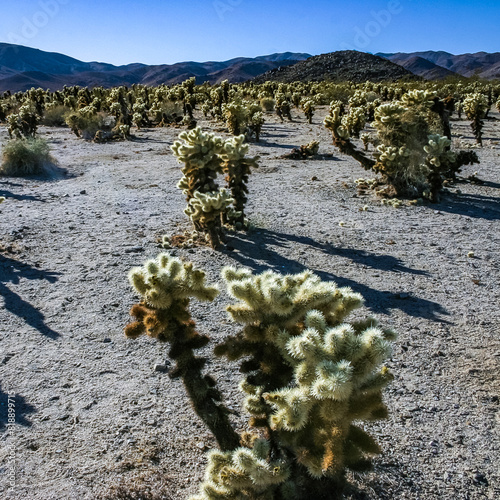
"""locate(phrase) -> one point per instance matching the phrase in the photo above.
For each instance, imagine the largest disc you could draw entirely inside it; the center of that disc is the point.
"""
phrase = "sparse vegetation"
(311, 376)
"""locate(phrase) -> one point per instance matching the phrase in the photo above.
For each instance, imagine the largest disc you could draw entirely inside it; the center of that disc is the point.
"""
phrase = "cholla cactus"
(475, 107)
(389, 114)
(403, 155)
(354, 122)
(124, 131)
(337, 104)
(205, 108)
(498, 105)
(199, 151)
(138, 120)
(438, 150)
(424, 98)
(23, 124)
(358, 99)
(255, 123)
(204, 156)
(166, 286)
(308, 108)
(443, 163)
(267, 103)
(2, 199)
(309, 376)
(237, 168)
(282, 107)
(341, 139)
(236, 116)
(205, 211)
(249, 470)
(334, 123)
(367, 139)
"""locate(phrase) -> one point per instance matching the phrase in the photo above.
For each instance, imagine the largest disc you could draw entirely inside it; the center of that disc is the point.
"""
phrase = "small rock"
(83, 191)
(479, 479)
(160, 367)
(201, 445)
(133, 250)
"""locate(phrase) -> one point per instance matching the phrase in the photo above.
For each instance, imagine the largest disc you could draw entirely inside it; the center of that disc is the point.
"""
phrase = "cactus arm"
(166, 285)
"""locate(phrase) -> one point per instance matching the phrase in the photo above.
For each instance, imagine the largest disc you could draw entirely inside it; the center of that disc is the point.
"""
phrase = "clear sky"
(165, 32)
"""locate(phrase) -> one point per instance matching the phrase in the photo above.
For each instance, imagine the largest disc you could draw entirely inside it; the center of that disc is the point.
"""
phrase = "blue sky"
(165, 32)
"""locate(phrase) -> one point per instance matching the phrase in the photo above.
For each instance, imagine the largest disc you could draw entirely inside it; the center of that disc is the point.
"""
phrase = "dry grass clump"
(22, 157)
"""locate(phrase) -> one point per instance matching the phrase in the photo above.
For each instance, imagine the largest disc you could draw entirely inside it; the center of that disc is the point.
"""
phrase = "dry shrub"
(22, 157)
(55, 116)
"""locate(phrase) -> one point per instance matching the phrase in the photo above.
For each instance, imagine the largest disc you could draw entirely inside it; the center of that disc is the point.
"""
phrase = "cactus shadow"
(265, 144)
(472, 205)
(12, 271)
(21, 409)
(21, 197)
(257, 252)
(146, 140)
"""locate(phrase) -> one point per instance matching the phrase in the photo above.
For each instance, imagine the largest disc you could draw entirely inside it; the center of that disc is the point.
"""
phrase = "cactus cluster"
(354, 122)
(243, 117)
(282, 107)
(308, 107)
(412, 155)
(309, 376)
(476, 107)
(24, 124)
(204, 157)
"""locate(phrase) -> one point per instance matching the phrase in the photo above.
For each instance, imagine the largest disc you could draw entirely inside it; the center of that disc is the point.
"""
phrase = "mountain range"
(22, 68)
(436, 65)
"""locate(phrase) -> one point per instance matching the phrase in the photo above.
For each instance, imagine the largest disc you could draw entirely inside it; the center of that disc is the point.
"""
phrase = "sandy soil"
(92, 410)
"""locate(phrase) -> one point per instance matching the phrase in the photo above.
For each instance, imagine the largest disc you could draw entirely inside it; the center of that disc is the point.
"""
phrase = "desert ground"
(94, 409)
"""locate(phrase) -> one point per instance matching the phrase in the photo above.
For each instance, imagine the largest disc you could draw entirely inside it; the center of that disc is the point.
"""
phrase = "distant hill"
(339, 66)
(424, 68)
(22, 68)
(482, 64)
